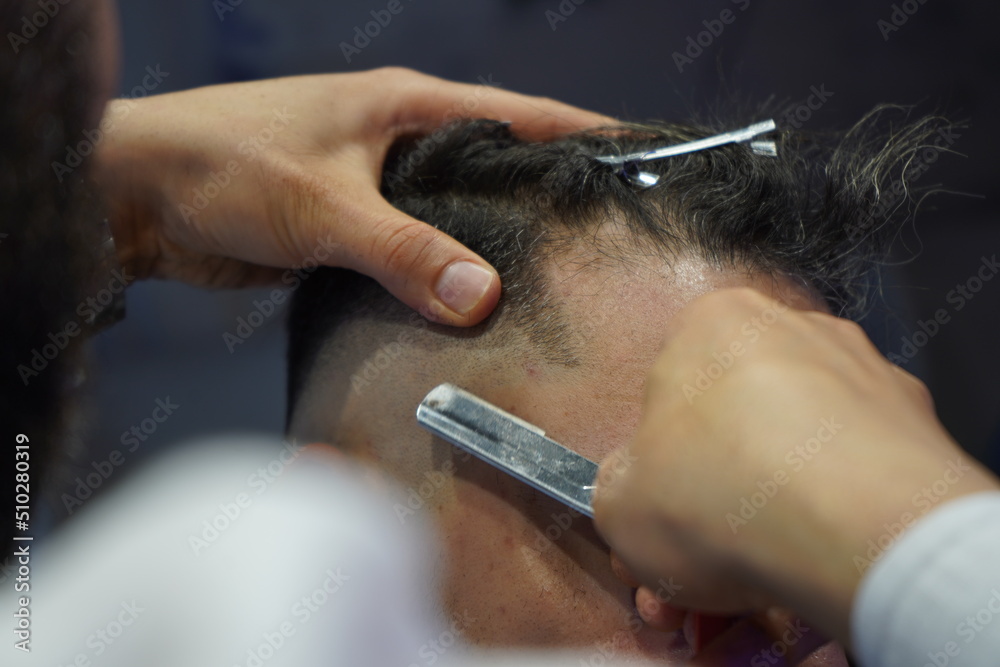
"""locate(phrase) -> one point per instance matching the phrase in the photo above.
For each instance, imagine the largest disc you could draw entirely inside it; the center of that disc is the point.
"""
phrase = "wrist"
(828, 547)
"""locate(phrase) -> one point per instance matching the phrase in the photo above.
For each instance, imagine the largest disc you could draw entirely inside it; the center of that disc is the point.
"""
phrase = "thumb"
(424, 268)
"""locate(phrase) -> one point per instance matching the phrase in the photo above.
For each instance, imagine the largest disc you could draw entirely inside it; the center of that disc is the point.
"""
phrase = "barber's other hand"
(765, 487)
(229, 185)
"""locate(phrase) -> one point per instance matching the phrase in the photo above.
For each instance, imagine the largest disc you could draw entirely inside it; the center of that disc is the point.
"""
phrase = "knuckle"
(734, 300)
(402, 247)
(919, 389)
(848, 328)
(396, 72)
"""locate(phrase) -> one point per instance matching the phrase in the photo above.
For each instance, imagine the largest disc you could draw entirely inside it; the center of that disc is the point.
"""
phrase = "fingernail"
(463, 285)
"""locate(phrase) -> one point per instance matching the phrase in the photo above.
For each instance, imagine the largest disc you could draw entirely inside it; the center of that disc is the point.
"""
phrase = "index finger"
(431, 102)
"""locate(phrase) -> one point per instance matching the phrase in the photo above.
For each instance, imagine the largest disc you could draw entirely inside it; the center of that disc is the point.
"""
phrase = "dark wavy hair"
(815, 213)
(48, 241)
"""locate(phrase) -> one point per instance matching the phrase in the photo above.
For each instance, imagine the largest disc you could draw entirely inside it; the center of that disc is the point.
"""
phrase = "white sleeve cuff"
(933, 598)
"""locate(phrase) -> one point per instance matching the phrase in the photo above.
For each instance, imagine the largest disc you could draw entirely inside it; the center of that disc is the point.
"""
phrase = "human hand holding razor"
(522, 450)
(762, 488)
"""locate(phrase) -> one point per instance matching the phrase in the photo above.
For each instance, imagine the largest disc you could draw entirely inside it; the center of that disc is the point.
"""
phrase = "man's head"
(592, 269)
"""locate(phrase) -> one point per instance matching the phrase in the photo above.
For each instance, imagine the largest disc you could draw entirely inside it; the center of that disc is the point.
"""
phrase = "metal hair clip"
(630, 164)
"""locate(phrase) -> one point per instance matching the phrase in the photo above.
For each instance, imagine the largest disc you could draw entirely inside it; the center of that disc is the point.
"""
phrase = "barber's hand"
(226, 186)
(761, 483)
(777, 637)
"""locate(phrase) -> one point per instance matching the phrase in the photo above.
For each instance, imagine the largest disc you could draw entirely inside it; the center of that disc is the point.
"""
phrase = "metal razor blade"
(510, 444)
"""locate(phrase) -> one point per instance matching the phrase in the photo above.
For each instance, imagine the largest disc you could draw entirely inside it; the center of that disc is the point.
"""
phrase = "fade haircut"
(816, 213)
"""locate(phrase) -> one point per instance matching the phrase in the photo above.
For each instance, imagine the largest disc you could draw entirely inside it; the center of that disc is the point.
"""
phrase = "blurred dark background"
(614, 57)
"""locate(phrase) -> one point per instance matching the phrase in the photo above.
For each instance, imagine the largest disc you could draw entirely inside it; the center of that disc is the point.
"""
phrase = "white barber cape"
(232, 554)
(933, 598)
(225, 554)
